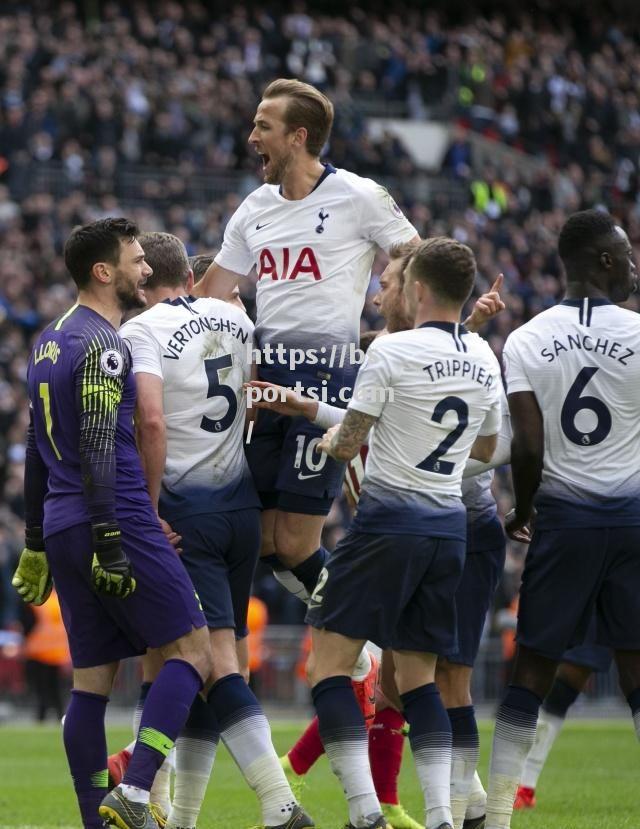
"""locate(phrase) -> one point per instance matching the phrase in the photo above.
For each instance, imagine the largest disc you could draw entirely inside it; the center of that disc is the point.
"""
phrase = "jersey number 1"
(434, 462)
(43, 390)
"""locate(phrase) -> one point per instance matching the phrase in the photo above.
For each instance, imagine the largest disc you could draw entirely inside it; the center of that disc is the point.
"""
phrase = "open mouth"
(265, 160)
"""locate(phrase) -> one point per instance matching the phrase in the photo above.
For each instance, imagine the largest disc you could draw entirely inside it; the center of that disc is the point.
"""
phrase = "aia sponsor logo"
(286, 268)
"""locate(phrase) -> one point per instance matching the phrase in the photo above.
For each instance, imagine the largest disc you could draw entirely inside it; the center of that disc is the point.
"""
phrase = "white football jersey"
(477, 496)
(201, 350)
(433, 390)
(581, 359)
(313, 256)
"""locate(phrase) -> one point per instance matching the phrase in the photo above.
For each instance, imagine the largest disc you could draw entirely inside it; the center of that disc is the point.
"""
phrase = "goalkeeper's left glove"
(111, 569)
(32, 578)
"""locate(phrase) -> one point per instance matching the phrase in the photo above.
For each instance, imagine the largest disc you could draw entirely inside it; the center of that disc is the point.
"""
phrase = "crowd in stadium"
(175, 88)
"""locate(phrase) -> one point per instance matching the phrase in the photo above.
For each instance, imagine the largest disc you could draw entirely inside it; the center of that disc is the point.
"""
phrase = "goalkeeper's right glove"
(32, 578)
(111, 569)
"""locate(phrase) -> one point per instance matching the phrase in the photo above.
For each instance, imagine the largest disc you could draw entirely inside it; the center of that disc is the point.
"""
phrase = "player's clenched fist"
(111, 569)
(32, 578)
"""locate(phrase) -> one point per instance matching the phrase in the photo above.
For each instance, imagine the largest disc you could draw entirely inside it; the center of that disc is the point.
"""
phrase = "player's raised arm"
(233, 261)
(487, 306)
(217, 282)
(32, 578)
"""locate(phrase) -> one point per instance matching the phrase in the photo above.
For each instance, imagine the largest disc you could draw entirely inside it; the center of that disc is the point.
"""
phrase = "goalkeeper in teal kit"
(122, 588)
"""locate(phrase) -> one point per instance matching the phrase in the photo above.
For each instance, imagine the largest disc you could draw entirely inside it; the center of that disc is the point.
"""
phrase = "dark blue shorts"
(289, 472)
(589, 654)
(569, 575)
(163, 607)
(480, 576)
(396, 590)
(220, 553)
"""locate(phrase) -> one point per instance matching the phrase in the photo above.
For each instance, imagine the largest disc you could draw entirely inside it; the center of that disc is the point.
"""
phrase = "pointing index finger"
(498, 283)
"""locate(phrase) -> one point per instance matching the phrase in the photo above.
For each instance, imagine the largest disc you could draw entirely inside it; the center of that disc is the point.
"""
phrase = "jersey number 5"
(434, 462)
(218, 389)
(575, 403)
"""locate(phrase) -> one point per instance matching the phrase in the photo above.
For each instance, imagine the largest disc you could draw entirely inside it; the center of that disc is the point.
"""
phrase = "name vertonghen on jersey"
(202, 325)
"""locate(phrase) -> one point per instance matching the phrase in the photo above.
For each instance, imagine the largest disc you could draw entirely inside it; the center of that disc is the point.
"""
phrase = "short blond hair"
(306, 107)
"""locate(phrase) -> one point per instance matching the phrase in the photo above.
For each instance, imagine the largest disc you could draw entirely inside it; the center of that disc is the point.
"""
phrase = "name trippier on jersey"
(585, 342)
(202, 325)
(459, 368)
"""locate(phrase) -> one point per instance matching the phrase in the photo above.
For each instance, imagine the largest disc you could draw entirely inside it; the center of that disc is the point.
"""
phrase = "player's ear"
(101, 272)
(190, 281)
(300, 137)
(605, 260)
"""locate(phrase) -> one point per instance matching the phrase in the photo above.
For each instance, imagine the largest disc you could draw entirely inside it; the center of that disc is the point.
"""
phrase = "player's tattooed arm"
(343, 442)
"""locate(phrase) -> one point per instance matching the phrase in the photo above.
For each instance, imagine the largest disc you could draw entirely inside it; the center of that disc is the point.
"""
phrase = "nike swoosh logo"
(303, 477)
(259, 227)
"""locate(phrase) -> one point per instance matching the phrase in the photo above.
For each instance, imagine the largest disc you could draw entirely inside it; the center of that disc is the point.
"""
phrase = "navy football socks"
(165, 712)
(86, 746)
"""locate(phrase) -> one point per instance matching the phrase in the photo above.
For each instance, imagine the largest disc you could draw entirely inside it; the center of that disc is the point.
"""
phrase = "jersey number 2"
(218, 389)
(434, 462)
(575, 403)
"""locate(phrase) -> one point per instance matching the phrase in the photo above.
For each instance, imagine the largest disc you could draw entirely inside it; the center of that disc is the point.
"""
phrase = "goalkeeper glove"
(32, 578)
(111, 569)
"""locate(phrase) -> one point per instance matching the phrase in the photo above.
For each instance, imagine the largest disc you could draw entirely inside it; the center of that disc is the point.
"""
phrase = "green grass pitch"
(590, 782)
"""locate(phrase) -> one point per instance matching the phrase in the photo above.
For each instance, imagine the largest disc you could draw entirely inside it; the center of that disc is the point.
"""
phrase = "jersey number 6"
(574, 403)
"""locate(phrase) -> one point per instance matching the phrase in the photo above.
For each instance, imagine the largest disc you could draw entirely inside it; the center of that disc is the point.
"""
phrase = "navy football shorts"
(569, 575)
(101, 629)
(480, 576)
(396, 590)
(220, 551)
(589, 654)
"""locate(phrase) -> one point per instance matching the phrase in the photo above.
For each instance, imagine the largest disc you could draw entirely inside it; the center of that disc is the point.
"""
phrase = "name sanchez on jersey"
(585, 342)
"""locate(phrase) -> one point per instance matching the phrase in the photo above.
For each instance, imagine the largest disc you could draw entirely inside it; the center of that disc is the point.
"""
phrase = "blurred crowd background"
(144, 108)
